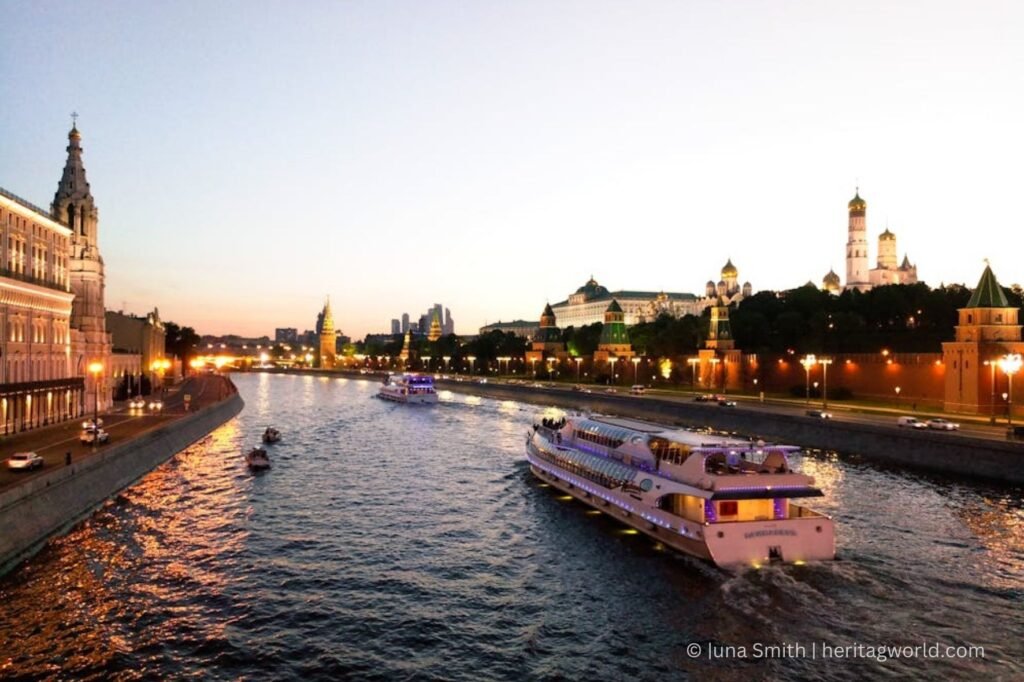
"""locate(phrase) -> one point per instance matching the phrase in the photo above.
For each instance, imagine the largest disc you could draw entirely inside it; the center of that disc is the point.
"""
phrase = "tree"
(181, 342)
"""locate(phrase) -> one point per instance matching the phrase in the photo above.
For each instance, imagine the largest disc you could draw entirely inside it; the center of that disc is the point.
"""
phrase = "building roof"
(632, 296)
(729, 270)
(614, 307)
(831, 277)
(988, 293)
(887, 235)
(548, 311)
(592, 289)
(857, 203)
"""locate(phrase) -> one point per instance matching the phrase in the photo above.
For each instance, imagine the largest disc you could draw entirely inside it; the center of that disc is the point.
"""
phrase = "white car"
(137, 403)
(940, 424)
(911, 422)
(156, 405)
(94, 436)
(24, 461)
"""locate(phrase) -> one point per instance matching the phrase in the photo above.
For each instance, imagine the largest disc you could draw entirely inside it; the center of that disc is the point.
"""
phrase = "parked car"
(94, 436)
(23, 461)
(610, 390)
(820, 414)
(705, 398)
(911, 422)
(637, 389)
(940, 424)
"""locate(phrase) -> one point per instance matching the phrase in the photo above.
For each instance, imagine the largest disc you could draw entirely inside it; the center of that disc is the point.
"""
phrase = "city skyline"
(485, 158)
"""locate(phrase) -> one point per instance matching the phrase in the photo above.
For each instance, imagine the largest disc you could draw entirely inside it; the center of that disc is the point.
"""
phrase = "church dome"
(73, 134)
(887, 235)
(729, 270)
(857, 204)
(831, 279)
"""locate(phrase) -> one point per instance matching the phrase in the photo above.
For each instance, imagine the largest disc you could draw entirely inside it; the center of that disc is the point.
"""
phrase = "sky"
(251, 158)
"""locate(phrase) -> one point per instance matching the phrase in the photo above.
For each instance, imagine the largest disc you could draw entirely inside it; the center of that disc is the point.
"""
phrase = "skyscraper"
(396, 327)
(405, 322)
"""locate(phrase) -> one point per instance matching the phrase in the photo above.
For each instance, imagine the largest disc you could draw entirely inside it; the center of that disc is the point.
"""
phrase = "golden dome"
(857, 204)
(729, 270)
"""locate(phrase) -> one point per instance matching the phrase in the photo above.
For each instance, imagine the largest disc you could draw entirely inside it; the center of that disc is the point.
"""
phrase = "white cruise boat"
(408, 388)
(730, 502)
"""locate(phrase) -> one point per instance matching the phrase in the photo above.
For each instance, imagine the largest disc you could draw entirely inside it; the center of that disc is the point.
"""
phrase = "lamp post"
(578, 361)
(426, 362)
(533, 366)
(95, 368)
(693, 362)
(612, 361)
(636, 369)
(472, 360)
(824, 362)
(714, 370)
(809, 361)
(446, 359)
(992, 381)
(1010, 364)
(898, 396)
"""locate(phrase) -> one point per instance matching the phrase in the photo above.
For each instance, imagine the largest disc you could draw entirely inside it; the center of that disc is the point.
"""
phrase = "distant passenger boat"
(257, 459)
(729, 502)
(408, 388)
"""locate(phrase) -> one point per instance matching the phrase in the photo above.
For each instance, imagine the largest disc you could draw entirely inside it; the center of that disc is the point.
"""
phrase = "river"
(410, 542)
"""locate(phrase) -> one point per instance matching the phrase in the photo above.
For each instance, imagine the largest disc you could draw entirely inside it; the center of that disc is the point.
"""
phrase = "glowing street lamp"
(426, 362)
(714, 370)
(991, 364)
(96, 368)
(578, 361)
(636, 363)
(1010, 364)
(824, 362)
(612, 361)
(472, 360)
(693, 362)
(898, 389)
(809, 361)
(446, 358)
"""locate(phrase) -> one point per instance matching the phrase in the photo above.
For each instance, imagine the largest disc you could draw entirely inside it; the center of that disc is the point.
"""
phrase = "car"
(610, 390)
(156, 405)
(637, 389)
(577, 387)
(93, 436)
(910, 422)
(137, 403)
(91, 424)
(482, 380)
(820, 414)
(940, 424)
(24, 461)
(724, 402)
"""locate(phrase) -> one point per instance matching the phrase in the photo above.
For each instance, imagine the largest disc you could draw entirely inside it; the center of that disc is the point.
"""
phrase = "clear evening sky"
(249, 158)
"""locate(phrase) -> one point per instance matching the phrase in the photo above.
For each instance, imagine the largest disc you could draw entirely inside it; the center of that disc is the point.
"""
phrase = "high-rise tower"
(857, 269)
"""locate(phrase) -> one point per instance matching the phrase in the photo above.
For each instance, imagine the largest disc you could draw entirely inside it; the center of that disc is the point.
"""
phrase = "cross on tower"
(74, 119)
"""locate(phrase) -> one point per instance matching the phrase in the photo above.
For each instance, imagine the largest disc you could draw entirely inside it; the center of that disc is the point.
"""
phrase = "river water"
(399, 542)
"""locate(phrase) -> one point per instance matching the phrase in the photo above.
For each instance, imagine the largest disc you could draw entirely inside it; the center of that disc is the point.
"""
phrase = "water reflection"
(396, 542)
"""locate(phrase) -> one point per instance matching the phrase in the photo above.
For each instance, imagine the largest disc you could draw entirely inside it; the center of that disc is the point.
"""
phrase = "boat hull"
(409, 399)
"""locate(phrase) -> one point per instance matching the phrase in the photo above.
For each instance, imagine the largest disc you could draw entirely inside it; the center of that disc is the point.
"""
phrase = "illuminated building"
(327, 337)
(858, 274)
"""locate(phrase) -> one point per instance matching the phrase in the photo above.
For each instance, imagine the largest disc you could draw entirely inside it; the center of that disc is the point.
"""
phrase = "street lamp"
(636, 363)
(472, 359)
(809, 361)
(533, 364)
(1010, 364)
(897, 396)
(991, 364)
(95, 368)
(612, 362)
(824, 362)
(446, 359)
(714, 370)
(693, 362)
(578, 362)
(426, 362)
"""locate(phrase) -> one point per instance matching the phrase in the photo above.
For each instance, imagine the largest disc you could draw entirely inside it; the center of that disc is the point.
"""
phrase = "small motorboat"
(271, 435)
(257, 459)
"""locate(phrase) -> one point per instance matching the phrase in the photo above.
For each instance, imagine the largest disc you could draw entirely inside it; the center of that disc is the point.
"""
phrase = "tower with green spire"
(989, 328)
(614, 342)
(548, 341)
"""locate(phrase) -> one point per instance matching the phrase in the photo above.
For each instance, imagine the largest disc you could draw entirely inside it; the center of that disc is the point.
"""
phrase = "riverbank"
(936, 451)
(50, 503)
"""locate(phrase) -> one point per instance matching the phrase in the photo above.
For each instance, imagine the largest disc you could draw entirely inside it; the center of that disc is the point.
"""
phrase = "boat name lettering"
(764, 533)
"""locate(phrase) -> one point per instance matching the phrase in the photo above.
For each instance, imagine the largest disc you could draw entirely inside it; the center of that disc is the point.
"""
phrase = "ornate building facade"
(52, 316)
(614, 342)
(859, 274)
(547, 342)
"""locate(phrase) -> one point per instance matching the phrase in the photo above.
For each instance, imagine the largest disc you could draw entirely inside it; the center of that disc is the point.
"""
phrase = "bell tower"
(74, 206)
(857, 270)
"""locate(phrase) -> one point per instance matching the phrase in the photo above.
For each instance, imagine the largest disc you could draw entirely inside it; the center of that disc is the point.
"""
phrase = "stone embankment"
(51, 503)
(935, 451)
